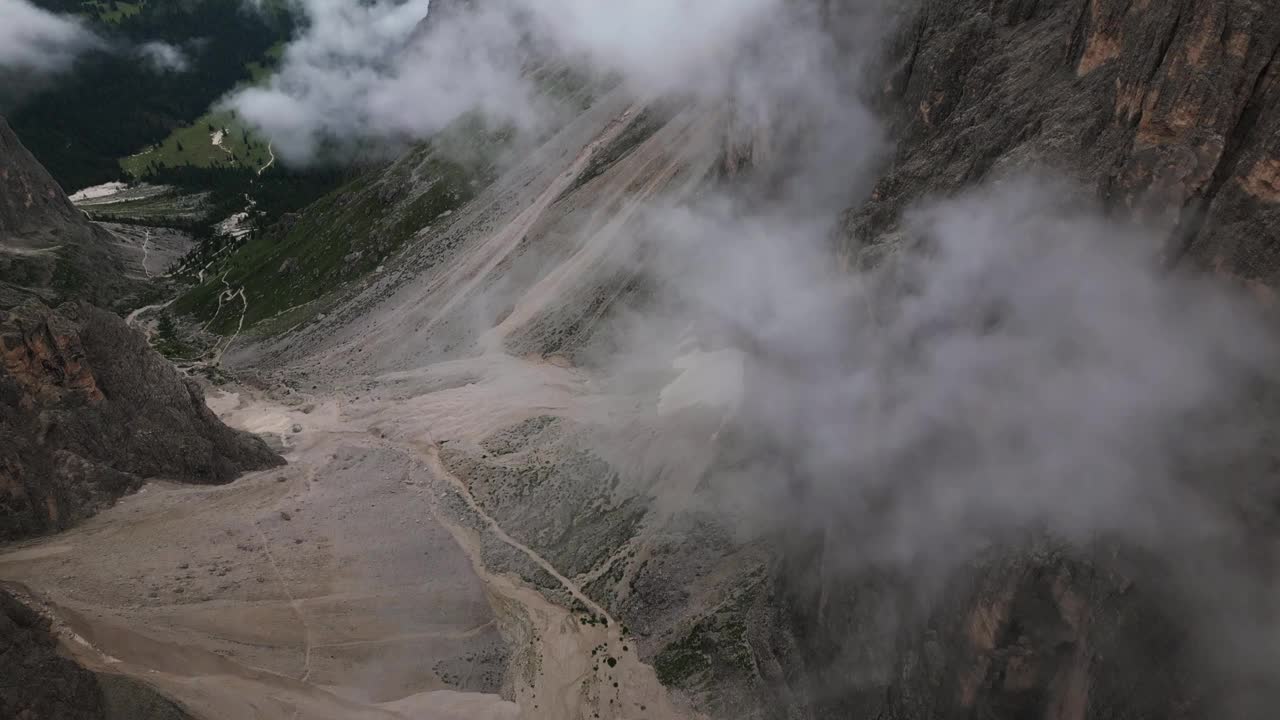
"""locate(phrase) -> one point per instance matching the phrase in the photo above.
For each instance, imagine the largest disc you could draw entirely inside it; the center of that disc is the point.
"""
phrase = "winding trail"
(270, 162)
(293, 603)
(244, 310)
(146, 254)
(432, 457)
(132, 319)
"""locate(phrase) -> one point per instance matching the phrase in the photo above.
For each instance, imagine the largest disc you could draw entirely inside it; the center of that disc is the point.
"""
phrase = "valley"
(873, 362)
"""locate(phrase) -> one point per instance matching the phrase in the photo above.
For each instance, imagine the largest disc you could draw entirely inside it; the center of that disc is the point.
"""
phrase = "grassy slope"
(240, 146)
(291, 270)
(115, 105)
(197, 148)
(341, 237)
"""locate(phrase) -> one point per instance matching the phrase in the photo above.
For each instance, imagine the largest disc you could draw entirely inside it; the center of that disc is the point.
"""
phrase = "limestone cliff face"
(1168, 110)
(88, 411)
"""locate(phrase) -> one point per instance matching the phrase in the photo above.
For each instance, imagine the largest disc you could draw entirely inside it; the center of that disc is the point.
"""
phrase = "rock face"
(48, 249)
(1168, 110)
(35, 680)
(88, 411)
(39, 683)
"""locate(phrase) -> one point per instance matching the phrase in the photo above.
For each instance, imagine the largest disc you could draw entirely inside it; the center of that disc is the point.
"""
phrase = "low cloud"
(376, 71)
(36, 40)
(1022, 362)
(164, 57)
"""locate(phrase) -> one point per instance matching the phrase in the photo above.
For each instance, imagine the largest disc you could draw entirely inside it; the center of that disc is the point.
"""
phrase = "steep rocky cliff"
(1170, 113)
(88, 411)
(1166, 109)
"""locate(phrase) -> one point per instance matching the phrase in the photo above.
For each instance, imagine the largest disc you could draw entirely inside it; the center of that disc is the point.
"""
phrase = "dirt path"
(134, 319)
(270, 162)
(432, 457)
(574, 669)
(146, 254)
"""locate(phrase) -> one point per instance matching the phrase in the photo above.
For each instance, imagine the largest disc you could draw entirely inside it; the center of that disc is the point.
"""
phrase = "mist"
(1021, 361)
(1019, 374)
(37, 41)
(164, 57)
(378, 72)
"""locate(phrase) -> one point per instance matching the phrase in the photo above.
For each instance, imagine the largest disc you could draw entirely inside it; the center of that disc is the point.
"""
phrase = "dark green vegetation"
(112, 104)
(193, 145)
(716, 647)
(275, 192)
(343, 236)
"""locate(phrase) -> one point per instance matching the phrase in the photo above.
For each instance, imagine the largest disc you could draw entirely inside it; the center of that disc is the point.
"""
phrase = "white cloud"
(32, 39)
(164, 57)
(374, 71)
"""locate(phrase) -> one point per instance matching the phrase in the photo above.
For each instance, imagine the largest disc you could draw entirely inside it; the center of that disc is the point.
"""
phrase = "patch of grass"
(295, 267)
(194, 145)
(260, 71)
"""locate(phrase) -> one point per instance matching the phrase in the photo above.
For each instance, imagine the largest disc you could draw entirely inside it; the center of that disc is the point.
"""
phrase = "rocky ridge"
(48, 249)
(90, 411)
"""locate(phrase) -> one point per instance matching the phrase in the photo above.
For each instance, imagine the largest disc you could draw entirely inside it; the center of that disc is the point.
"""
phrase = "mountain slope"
(609, 439)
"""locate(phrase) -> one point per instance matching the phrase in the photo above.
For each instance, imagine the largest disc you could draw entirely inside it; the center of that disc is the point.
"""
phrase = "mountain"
(694, 407)
(88, 411)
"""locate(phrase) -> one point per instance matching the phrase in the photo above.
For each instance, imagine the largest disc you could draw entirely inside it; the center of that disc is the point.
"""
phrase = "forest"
(111, 104)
